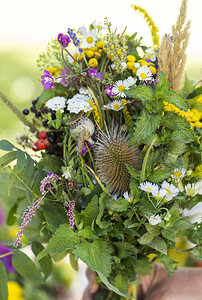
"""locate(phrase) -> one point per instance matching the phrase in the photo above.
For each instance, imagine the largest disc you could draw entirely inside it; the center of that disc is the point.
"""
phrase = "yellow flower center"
(148, 189)
(177, 174)
(116, 106)
(191, 192)
(90, 40)
(121, 88)
(143, 75)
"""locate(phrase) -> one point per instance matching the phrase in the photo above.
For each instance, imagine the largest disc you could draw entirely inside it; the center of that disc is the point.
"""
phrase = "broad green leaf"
(169, 234)
(146, 238)
(188, 87)
(8, 158)
(21, 161)
(87, 233)
(141, 92)
(11, 219)
(152, 229)
(29, 168)
(143, 266)
(63, 239)
(37, 181)
(145, 126)
(181, 225)
(45, 262)
(90, 212)
(102, 204)
(169, 263)
(195, 93)
(73, 261)
(133, 172)
(117, 232)
(159, 175)
(198, 252)
(111, 287)
(6, 146)
(97, 255)
(159, 245)
(25, 267)
(177, 100)
(85, 191)
(125, 249)
(117, 205)
(162, 87)
(45, 96)
(3, 282)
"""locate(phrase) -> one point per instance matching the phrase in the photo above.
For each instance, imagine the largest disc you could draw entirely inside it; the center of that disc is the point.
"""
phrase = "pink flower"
(70, 213)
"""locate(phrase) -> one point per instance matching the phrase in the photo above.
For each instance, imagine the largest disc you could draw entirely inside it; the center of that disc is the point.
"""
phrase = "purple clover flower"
(73, 37)
(27, 216)
(70, 213)
(46, 182)
(108, 91)
(47, 80)
(63, 39)
(6, 260)
(92, 72)
(85, 148)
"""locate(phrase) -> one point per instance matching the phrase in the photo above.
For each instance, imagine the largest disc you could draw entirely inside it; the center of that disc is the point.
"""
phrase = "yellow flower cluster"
(96, 114)
(193, 116)
(14, 291)
(199, 99)
(197, 172)
(127, 116)
(131, 64)
(54, 71)
(154, 30)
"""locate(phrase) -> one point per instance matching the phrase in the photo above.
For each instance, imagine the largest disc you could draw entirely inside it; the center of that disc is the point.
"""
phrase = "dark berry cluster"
(55, 139)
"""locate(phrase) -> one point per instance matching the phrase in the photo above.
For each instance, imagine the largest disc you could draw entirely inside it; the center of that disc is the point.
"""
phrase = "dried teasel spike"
(112, 153)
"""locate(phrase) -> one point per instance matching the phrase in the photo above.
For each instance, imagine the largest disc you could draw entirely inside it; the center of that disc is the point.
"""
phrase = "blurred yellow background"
(27, 26)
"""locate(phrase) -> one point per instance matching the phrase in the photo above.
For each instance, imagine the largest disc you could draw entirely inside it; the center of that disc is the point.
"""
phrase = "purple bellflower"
(47, 80)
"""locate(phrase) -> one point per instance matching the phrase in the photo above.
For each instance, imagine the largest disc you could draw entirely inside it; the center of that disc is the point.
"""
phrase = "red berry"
(43, 135)
(46, 142)
(39, 145)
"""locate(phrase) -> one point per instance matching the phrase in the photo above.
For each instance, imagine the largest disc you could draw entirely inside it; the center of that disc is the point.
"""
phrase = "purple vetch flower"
(70, 213)
(46, 182)
(93, 73)
(64, 39)
(6, 260)
(47, 80)
(99, 75)
(73, 37)
(85, 148)
(108, 91)
(27, 216)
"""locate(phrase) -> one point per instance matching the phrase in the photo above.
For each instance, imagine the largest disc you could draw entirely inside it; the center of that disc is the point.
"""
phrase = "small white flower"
(89, 40)
(67, 174)
(150, 54)
(171, 190)
(99, 25)
(115, 105)
(160, 193)
(131, 81)
(119, 87)
(149, 187)
(144, 73)
(123, 65)
(77, 103)
(86, 125)
(82, 30)
(57, 103)
(193, 189)
(85, 91)
(178, 173)
(194, 214)
(128, 197)
(154, 220)
(75, 54)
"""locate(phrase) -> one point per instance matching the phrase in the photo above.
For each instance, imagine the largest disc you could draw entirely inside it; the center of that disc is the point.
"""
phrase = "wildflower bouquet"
(117, 172)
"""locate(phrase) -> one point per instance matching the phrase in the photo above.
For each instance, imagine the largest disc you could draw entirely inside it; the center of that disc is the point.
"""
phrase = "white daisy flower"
(78, 103)
(128, 197)
(131, 81)
(57, 103)
(150, 54)
(75, 54)
(99, 25)
(115, 105)
(159, 194)
(144, 73)
(89, 40)
(193, 189)
(82, 30)
(154, 220)
(119, 87)
(178, 173)
(171, 190)
(149, 187)
(194, 214)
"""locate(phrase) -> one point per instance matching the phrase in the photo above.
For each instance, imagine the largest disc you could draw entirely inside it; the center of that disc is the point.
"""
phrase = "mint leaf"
(141, 92)
(117, 205)
(90, 212)
(163, 86)
(177, 100)
(159, 245)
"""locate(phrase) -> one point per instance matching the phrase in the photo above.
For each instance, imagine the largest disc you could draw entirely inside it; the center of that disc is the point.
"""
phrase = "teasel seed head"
(112, 153)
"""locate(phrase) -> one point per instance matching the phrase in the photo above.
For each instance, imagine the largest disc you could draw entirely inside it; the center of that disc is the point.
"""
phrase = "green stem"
(17, 112)
(142, 177)
(62, 53)
(6, 254)
(25, 184)
(65, 149)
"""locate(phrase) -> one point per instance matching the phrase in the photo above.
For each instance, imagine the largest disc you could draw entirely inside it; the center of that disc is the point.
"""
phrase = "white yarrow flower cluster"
(79, 102)
(57, 103)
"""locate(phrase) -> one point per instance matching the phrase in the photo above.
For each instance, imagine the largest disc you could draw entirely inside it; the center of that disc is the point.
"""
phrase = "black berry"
(25, 112)
(37, 114)
(45, 123)
(33, 109)
(34, 102)
(53, 115)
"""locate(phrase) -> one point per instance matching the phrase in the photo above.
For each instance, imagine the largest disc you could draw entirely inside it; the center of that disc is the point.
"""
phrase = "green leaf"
(195, 93)
(102, 204)
(198, 252)
(29, 169)
(169, 263)
(3, 282)
(6, 146)
(163, 86)
(152, 229)
(125, 249)
(8, 158)
(21, 161)
(25, 267)
(187, 88)
(177, 100)
(145, 126)
(169, 234)
(141, 92)
(143, 266)
(159, 175)
(111, 287)
(97, 255)
(11, 219)
(73, 261)
(159, 245)
(90, 212)
(85, 191)
(87, 233)
(63, 239)
(181, 225)
(133, 172)
(45, 262)
(118, 205)
(146, 238)
(45, 96)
